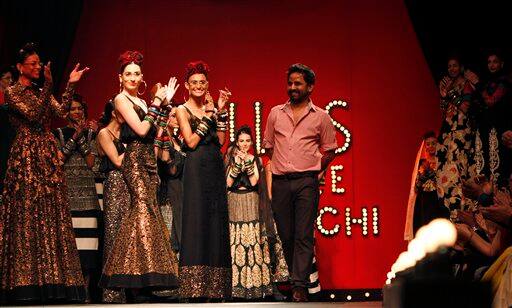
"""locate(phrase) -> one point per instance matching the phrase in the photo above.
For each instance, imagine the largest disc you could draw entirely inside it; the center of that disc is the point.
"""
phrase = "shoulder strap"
(188, 110)
(111, 134)
(130, 99)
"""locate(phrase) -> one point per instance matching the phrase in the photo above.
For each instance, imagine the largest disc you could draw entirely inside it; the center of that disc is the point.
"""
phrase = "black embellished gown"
(205, 261)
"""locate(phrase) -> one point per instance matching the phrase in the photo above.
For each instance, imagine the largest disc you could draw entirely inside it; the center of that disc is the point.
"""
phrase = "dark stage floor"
(236, 305)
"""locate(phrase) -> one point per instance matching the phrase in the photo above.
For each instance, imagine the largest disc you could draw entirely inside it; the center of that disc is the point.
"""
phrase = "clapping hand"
(240, 158)
(466, 218)
(93, 125)
(48, 72)
(172, 87)
(472, 77)
(160, 95)
(463, 232)
(501, 211)
(444, 85)
(80, 128)
(224, 96)
(473, 187)
(76, 74)
(502, 198)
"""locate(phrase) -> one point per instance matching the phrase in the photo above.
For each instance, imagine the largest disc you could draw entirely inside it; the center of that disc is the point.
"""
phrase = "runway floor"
(233, 305)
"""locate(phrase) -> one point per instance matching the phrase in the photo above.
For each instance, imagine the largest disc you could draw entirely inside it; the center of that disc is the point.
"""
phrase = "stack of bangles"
(235, 170)
(204, 126)
(163, 117)
(153, 112)
(249, 167)
(83, 147)
(222, 120)
(69, 147)
(163, 142)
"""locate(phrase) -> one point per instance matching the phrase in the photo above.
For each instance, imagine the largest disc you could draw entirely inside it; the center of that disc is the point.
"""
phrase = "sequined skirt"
(251, 252)
(38, 258)
(141, 254)
(116, 203)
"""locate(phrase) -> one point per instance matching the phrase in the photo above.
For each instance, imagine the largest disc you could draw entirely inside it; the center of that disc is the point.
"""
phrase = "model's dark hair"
(244, 129)
(26, 51)
(79, 99)
(307, 73)
(196, 67)
(130, 56)
(429, 134)
(106, 116)
(495, 52)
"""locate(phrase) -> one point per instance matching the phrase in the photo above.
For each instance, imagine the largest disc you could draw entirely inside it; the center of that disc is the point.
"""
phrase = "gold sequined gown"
(38, 259)
(116, 203)
(141, 255)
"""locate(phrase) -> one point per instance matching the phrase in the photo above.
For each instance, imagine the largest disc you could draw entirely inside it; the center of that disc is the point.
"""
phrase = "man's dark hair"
(307, 73)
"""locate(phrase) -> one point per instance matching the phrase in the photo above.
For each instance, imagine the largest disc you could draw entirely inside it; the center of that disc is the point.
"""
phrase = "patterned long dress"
(83, 200)
(257, 257)
(494, 117)
(455, 146)
(141, 255)
(116, 203)
(38, 258)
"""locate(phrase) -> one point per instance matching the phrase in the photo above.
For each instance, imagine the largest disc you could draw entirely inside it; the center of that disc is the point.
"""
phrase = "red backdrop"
(364, 52)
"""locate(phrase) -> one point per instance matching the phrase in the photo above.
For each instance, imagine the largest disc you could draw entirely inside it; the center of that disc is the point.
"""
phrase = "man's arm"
(328, 143)
(268, 136)
(327, 158)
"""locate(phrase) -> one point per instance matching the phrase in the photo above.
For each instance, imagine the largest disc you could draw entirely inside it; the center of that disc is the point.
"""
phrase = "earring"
(145, 88)
(120, 87)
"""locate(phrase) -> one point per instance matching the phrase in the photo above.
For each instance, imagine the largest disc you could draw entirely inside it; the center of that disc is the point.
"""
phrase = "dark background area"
(469, 29)
(463, 28)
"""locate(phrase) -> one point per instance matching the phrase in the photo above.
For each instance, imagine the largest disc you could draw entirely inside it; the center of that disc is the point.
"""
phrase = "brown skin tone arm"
(327, 158)
(191, 138)
(89, 160)
(106, 145)
(268, 177)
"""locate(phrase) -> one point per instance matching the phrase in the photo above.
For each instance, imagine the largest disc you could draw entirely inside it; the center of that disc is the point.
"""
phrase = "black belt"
(295, 175)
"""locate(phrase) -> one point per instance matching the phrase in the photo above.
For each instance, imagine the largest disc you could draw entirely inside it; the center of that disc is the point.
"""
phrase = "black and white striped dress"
(83, 200)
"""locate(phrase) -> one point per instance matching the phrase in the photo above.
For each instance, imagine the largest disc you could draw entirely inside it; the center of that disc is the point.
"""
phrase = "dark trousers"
(295, 204)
